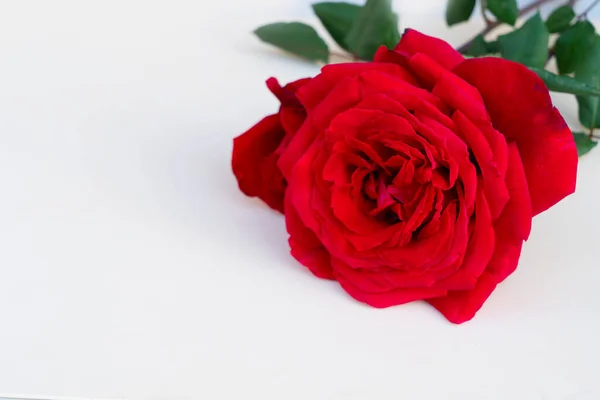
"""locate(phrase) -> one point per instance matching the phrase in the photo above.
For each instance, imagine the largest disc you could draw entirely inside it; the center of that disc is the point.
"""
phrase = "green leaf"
(573, 46)
(589, 72)
(459, 11)
(479, 47)
(560, 19)
(375, 25)
(337, 18)
(528, 44)
(566, 84)
(583, 142)
(295, 37)
(493, 47)
(505, 10)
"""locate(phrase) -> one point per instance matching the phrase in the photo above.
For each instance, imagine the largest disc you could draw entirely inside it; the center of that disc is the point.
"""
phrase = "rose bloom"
(413, 177)
(256, 152)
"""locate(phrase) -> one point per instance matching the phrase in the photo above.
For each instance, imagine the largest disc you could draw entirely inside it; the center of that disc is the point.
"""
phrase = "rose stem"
(493, 25)
(587, 10)
(342, 55)
(487, 20)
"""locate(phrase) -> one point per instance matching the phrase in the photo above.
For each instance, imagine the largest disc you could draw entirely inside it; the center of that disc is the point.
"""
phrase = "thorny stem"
(493, 25)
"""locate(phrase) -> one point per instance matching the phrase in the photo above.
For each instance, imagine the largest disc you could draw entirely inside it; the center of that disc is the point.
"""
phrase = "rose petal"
(287, 94)
(520, 106)
(479, 251)
(297, 146)
(305, 246)
(382, 299)
(511, 228)
(461, 306)
(413, 42)
(460, 96)
(318, 88)
(505, 260)
(254, 164)
(514, 224)
(494, 183)
(431, 72)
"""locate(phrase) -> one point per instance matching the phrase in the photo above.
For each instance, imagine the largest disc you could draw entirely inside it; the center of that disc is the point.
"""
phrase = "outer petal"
(254, 163)
(511, 228)
(305, 246)
(413, 42)
(291, 112)
(287, 94)
(520, 107)
(514, 223)
(479, 251)
(493, 182)
(382, 299)
(311, 94)
(460, 306)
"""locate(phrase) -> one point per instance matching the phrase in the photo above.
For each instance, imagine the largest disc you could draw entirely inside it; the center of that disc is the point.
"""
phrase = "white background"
(132, 267)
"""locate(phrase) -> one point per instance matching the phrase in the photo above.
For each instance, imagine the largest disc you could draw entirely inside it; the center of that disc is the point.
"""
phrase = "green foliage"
(375, 25)
(361, 30)
(505, 10)
(573, 46)
(480, 47)
(337, 18)
(459, 11)
(566, 84)
(589, 72)
(584, 143)
(560, 19)
(295, 37)
(528, 44)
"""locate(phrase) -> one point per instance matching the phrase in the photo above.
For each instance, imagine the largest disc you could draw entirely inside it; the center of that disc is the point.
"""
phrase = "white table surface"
(133, 268)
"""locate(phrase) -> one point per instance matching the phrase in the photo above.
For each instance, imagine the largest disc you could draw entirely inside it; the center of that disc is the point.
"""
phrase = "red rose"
(256, 152)
(416, 176)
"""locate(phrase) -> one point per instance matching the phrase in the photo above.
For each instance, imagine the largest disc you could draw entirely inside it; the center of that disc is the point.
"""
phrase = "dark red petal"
(315, 91)
(287, 94)
(413, 42)
(445, 246)
(297, 146)
(382, 279)
(494, 183)
(442, 137)
(382, 299)
(479, 251)
(431, 73)
(348, 213)
(254, 163)
(461, 96)
(520, 107)
(385, 55)
(505, 260)
(460, 306)
(305, 246)
(512, 228)
(292, 119)
(514, 223)
(297, 84)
